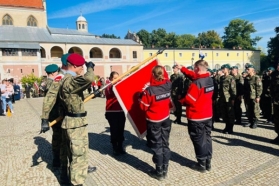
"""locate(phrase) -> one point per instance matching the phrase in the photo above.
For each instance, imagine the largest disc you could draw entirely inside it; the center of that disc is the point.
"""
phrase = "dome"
(81, 18)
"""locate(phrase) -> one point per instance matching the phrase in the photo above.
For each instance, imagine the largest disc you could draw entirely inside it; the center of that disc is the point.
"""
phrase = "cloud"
(93, 6)
(256, 12)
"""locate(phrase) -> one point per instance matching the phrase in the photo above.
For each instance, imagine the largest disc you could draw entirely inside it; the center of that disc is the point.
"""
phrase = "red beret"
(76, 59)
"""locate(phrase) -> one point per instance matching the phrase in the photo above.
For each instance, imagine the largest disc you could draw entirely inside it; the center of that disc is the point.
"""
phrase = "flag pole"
(160, 51)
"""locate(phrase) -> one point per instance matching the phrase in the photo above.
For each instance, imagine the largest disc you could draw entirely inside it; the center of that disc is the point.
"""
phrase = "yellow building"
(28, 44)
(215, 57)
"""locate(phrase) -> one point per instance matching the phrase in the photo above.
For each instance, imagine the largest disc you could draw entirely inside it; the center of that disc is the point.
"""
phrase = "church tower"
(82, 24)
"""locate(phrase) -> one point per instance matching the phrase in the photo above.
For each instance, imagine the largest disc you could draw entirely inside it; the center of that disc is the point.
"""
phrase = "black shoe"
(208, 164)
(254, 124)
(177, 121)
(91, 169)
(225, 131)
(120, 149)
(247, 125)
(238, 122)
(165, 170)
(157, 174)
(199, 166)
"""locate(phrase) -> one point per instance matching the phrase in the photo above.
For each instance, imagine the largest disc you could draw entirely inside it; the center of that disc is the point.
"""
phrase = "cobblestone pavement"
(245, 158)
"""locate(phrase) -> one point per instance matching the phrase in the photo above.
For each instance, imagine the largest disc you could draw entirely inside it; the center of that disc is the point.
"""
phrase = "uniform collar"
(71, 72)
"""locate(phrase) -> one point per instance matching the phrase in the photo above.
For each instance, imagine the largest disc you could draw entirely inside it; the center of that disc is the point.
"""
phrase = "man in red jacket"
(198, 101)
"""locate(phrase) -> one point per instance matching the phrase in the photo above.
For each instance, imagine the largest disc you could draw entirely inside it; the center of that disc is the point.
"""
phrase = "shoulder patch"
(58, 77)
(209, 89)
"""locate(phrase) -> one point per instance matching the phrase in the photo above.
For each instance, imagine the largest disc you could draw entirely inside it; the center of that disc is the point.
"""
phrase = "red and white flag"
(127, 93)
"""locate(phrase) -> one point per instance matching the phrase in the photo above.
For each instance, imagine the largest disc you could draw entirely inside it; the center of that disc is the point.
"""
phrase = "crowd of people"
(209, 96)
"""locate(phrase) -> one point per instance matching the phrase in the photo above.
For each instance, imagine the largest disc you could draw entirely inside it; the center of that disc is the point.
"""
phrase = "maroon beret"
(76, 59)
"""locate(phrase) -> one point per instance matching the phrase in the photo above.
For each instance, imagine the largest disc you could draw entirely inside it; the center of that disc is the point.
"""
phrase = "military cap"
(64, 59)
(244, 72)
(225, 66)
(76, 59)
(250, 66)
(270, 68)
(190, 68)
(209, 70)
(234, 67)
(51, 68)
(174, 66)
(214, 70)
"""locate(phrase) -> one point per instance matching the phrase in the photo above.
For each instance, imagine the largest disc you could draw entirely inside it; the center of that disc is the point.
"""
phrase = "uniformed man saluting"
(74, 125)
(176, 92)
(252, 93)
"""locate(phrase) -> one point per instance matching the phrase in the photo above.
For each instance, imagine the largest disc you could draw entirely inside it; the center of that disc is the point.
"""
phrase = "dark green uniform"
(252, 90)
(176, 93)
(266, 102)
(48, 84)
(186, 84)
(216, 107)
(227, 93)
(238, 100)
(274, 88)
(74, 126)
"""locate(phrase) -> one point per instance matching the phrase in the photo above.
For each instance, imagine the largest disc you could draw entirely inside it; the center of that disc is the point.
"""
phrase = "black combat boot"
(200, 166)
(254, 124)
(165, 170)
(157, 174)
(208, 164)
(248, 124)
(120, 148)
(115, 149)
(64, 179)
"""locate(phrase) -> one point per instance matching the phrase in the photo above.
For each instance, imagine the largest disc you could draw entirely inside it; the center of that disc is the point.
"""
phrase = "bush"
(30, 79)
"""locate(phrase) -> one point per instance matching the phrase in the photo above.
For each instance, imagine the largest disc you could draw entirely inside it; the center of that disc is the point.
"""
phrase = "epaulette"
(58, 77)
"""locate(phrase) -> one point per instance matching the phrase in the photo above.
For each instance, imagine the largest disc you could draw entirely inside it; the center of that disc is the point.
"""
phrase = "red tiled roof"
(23, 3)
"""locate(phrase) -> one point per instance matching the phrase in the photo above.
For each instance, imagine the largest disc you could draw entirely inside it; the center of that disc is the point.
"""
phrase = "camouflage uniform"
(50, 111)
(176, 91)
(275, 97)
(74, 124)
(238, 100)
(216, 107)
(186, 83)
(48, 84)
(252, 90)
(227, 93)
(266, 102)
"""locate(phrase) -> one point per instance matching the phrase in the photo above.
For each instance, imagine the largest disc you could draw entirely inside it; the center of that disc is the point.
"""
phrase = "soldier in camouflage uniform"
(274, 90)
(239, 93)
(252, 93)
(266, 101)
(216, 103)
(74, 125)
(52, 71)
(176, 92)
(227, 93)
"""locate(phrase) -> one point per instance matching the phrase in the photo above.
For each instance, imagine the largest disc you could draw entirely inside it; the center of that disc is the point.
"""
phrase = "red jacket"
(155, 100)
(198, 99)
(112, 105)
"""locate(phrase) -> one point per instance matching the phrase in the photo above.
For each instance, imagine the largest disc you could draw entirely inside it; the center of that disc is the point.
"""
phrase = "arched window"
(31, 21)
(217, 66)
(83, 27)
(78, 26)
(238, 65)
(7, 20)
(114, 53)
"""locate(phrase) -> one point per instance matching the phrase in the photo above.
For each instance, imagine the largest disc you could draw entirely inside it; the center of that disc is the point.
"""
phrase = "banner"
(127, 93)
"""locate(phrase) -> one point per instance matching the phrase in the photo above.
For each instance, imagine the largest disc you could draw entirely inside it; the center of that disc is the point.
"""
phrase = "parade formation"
(208, 95)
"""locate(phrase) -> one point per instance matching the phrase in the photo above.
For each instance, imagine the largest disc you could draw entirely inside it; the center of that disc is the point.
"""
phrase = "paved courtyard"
(245, 158)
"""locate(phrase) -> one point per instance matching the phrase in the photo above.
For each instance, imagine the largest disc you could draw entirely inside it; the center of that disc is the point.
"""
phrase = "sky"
(179, 16)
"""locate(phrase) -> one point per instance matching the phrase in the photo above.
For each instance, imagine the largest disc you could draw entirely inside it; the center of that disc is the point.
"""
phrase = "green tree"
(185, 41)
(238, 33)
(209, 39)
(170, 40)
(112, 36)
(144, 37)
(158, 37)
(30, 79)
(273, 47)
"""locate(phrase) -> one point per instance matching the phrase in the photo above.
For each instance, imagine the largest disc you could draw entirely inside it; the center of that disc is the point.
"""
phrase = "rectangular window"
(193, 54)
(135, 54)
(247, 54)
(228, 54)
(150, 54)
(29, 52)
(20, 70)
(33, 70)
(180, 54)
(10, 52)
(237, 54)
(166, 54)
(9, 71)
(217, 54)
(205, 54)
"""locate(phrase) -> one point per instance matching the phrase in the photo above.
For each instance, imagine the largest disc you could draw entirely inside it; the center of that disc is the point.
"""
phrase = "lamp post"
(110, 68)
(192, 61)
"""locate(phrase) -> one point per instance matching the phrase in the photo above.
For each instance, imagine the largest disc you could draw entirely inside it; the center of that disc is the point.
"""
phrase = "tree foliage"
(273, 47)
(30, 79)
(185, 41)
(110, 36)
(238, 33)
(144, 37)
(209, 39)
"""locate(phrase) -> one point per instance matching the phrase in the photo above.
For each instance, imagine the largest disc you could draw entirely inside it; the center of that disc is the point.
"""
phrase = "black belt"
(76, 115)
